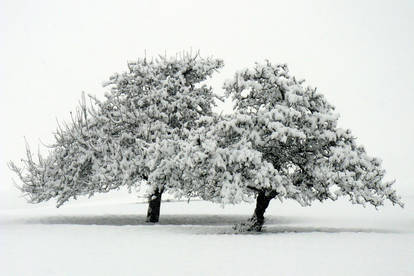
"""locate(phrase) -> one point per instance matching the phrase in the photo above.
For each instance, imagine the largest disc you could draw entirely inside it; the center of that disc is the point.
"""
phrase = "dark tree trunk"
(262, 202)
(154, 206)
(255, 223)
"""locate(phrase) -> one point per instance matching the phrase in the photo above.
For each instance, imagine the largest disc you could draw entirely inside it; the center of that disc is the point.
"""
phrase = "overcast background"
(360, 54)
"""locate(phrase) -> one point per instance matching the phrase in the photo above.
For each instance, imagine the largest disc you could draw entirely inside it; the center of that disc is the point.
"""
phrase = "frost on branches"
(127, 138)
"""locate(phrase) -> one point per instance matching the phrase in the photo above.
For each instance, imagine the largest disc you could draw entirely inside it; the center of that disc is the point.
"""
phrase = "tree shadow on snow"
(317, 229)
(123, 220)
(201, 224)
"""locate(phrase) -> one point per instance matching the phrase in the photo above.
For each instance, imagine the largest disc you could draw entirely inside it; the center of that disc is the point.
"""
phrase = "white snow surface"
(107, 235)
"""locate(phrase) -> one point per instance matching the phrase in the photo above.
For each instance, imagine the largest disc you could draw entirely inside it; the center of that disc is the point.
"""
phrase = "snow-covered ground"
(107, 235)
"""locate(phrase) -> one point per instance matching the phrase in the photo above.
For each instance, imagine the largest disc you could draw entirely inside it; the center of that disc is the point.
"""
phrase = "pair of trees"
(156, 125)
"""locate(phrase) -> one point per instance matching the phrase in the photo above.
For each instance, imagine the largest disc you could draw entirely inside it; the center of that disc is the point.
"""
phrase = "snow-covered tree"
(129, 137)
(156, 125)
(282, 141)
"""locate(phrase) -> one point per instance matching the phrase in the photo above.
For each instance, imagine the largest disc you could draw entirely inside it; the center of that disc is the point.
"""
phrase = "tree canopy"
(281, 141)
(156, 125)
(127, 137)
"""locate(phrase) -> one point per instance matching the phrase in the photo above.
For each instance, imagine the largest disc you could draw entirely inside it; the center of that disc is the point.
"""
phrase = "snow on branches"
(156, 125)
(295, 130)
(125, 138)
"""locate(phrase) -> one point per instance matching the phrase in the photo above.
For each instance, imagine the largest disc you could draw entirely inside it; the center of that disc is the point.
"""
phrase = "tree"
(127, 138)
(282, 141)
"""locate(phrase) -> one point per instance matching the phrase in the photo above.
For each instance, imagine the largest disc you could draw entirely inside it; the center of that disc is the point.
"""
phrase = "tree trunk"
(154, 206)
(255, 223)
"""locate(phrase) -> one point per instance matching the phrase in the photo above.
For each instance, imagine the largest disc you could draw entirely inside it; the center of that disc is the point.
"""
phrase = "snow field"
(109, 237)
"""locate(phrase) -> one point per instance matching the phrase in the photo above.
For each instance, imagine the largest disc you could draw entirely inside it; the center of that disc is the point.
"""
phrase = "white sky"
(358, 53)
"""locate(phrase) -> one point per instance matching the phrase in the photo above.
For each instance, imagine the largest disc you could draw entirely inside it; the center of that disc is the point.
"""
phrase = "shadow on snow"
(201, 224)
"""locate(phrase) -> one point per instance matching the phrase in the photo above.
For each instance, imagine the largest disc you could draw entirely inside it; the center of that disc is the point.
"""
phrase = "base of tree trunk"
(251, 225)
(154, 206)
(255, 223)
